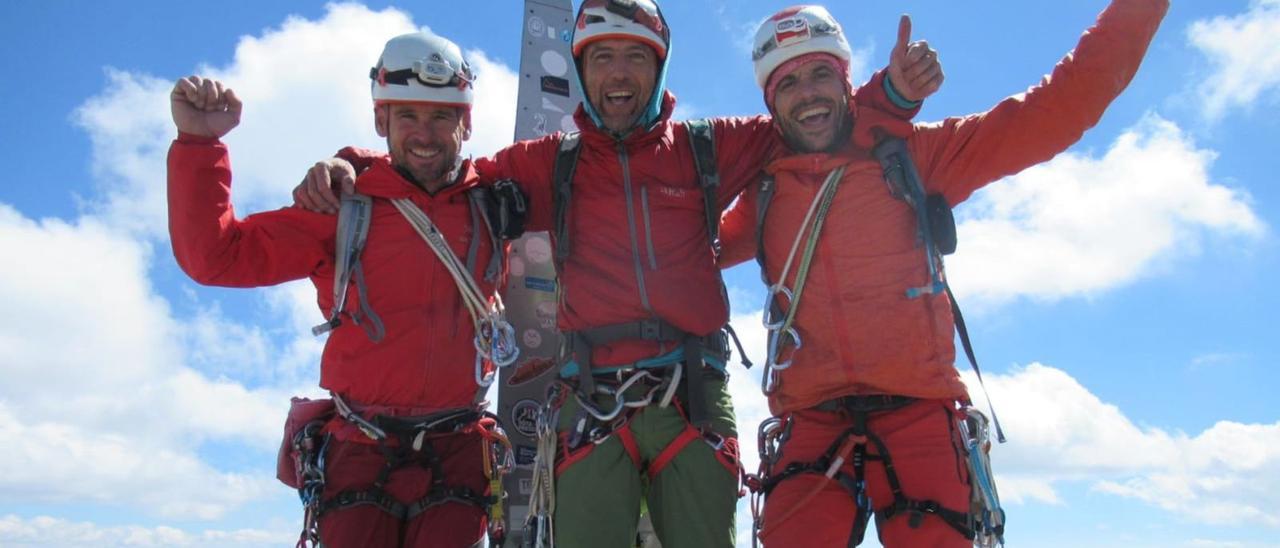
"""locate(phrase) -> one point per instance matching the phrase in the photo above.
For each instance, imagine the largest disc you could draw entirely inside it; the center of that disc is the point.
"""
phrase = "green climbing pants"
(691, 491)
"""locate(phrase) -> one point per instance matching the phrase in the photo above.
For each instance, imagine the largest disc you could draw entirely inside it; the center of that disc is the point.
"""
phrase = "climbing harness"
(781, 331)
(403, 441)
(850, 447)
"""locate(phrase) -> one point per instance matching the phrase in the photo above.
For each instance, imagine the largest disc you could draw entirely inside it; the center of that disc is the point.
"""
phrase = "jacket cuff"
(897, 98)
(193, 139)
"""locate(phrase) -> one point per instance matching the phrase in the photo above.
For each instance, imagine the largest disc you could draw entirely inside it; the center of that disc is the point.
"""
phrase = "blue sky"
(1121, 296)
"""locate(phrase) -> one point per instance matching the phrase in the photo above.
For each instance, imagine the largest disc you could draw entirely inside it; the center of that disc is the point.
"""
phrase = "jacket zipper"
(631, 226)
(648, 227)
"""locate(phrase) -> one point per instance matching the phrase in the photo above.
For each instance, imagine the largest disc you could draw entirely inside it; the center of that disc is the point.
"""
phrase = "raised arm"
(209, 243)
(960, 155)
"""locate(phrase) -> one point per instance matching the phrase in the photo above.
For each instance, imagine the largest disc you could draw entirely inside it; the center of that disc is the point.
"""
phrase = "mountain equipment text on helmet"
(421, 67)
(793, 32)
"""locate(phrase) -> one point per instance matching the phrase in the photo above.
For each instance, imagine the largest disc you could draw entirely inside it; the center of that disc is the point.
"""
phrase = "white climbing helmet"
(421, 67)
(793, 32)
(631, 19)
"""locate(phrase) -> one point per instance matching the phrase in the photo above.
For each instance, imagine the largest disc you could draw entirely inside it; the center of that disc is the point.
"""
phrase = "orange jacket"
(426, 360)
(861, 333)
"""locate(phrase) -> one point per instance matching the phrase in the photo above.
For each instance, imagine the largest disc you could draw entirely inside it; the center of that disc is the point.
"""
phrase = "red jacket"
(861, 333)
(427, 359)
(637, 226)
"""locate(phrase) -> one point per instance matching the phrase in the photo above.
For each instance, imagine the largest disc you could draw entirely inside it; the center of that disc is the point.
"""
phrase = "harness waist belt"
(865, 404)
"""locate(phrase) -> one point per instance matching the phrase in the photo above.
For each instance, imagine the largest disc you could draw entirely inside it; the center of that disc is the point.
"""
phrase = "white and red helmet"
(421, 67)
(639, 20)
(793, 32)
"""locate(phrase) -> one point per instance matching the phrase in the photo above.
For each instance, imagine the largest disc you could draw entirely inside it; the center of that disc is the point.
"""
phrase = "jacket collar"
(592, 132)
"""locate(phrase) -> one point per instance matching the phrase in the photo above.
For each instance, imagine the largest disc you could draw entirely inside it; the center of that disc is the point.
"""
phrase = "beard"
(796, 138)
(430, 178)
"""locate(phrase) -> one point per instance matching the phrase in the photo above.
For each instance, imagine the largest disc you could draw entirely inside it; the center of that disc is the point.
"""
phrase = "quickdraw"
(539, 530)
(309, 448)
(986, 517)
(781, 331)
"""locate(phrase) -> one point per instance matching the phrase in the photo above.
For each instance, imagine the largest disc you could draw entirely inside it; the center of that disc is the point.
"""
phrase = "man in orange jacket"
(868, 405)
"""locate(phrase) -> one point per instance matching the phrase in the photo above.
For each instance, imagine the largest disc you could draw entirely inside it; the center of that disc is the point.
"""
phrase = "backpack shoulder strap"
(702, 140)
(353, 231)
(562, 191)
(936, 228)
(480, 221)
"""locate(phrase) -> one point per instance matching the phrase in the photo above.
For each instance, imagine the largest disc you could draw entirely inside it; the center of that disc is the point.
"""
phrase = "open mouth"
(425, 153)
(619, 98)
(813, 116)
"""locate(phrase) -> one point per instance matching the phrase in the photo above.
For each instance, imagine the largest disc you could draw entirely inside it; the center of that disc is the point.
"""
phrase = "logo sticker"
(525, 454)
(537, 26)
(524, 418)
(791, 31)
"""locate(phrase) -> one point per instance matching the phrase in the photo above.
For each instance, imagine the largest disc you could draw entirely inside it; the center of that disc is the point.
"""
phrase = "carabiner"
(770, 323)
(619, 398)
(769, 380)
(774, 347)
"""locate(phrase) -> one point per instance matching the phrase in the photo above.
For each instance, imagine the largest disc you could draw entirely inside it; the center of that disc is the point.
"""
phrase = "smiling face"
(619, 76)
(424, 139)
(811, 106)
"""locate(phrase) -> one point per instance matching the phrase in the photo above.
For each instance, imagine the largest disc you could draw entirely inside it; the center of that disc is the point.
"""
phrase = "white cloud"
(306, 92)
(1244, 53)
(1078, 225)
(1059, 432)
(494, 115)
(95, 400)
(50, 531)
(94, 363)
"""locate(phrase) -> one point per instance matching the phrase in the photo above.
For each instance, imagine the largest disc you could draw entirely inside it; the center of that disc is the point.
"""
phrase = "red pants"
(355, 466)
(924, 446)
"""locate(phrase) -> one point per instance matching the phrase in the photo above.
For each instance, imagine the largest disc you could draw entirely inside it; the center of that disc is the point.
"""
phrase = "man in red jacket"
(641, 299)
(409, 457)
(867, 408)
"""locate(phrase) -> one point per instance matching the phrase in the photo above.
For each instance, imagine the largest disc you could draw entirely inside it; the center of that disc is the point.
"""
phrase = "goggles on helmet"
(435, 72)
